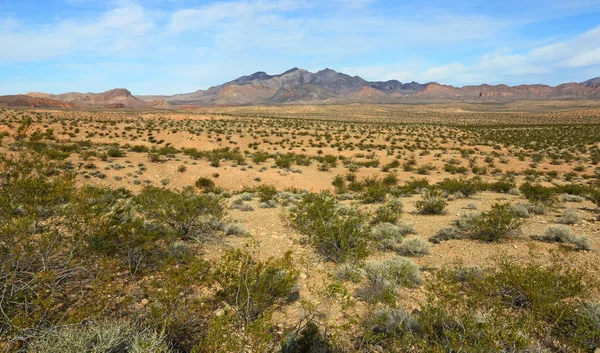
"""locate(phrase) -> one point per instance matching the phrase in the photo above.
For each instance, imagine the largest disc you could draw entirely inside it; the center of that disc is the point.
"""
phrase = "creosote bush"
(254, 286)
(433, 203)
(511, 304)
(187, 214)
(497, 224)
(337, 236)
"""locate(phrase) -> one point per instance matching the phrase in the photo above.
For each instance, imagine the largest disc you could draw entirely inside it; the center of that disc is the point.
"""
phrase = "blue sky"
(178, 46)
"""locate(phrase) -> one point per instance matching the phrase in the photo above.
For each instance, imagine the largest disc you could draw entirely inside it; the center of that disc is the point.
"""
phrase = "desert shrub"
(386, 323)
(339, 183)
(511, 304)
(565, 235)
(570, 216)
(337, 237)
(571, 198)
(385, 277)
(105, 337)
(254, 286)
(115, 152)
(229, 333)
(260, 157)
(448, 233)
(595, 197)
(389, 212)
(466, 187)
(386, 235)
(496, 224)
(139, 148)
(559, 234)
(502, 186)
(350, 272)
(538, 194)
(375, 191)
(433, 203)
(266, 192)
(307, 340)
(520, 210)
(179, 249)
(237, 229)
(204, 183)
(184, 212)
(402, 272)
(414, 246)
(582, 326)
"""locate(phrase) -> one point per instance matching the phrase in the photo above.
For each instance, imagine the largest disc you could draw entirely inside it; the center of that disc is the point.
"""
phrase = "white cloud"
(578, 53)
(118, 31)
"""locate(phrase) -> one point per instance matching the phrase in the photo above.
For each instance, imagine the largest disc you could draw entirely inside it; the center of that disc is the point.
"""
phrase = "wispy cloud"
(120, 30)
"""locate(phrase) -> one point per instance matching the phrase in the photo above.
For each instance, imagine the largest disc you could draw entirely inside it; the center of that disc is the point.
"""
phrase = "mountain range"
(298, 86)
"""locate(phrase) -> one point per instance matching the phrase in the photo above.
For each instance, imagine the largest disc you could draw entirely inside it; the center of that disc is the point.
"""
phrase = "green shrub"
(433, 203)
(502, 186)
(538, 194)
(339, 237)
(350, 272)
(512, 304)
(184, 212)
(115, 152)
(266, 193)
(496, 224)
(339, 184)
(307, 340)
(253, 286)
(389, 213)
(467, 187)
(204, 183)
(375, 191)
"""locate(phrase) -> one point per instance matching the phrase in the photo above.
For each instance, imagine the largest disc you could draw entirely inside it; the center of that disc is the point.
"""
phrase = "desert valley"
(302, 212)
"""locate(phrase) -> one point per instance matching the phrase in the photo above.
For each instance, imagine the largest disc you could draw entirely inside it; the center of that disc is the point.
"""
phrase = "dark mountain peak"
(292, 70)
(260, 76)
(595, 82)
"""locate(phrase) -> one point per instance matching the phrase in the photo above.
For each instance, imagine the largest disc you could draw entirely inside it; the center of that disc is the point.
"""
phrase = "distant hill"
(298, 86)
(36, 101)
(595, 82)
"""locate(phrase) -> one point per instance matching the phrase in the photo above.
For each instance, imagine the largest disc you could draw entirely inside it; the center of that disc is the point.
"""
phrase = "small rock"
(219, 312)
